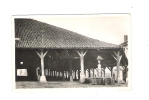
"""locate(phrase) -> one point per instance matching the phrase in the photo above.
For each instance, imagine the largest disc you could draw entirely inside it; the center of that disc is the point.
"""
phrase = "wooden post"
(58, 74)
(78, 74)
(93, 72)
(65, 74)
(70, 70)
(111, 71)
(104, 72)
(118, 67)
(126, 74)
(75, 74)
(89, 73)
(118, 59)
(42, 55)
(63, 77)
(82, 76)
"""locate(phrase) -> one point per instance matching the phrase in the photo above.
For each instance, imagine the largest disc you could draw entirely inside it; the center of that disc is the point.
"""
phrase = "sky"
(109, 28)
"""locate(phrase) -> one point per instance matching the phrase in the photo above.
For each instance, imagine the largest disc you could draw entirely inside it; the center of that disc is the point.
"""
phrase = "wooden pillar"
(104, 72)
(126, 76)
(111, 71)
(78, 74)
(54, 73)
(82, 76)
(58, 74)
(118, 67)
(89, 73)
(42, 64)
(118, 59)
(70, 70)
(93, 72)
(63, 77)
(50, 73)
(75, 74)
(42, 55)
(47, 72)
(65, 74)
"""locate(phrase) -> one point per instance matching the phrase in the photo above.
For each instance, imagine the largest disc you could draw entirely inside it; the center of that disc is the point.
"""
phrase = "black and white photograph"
(72, 51)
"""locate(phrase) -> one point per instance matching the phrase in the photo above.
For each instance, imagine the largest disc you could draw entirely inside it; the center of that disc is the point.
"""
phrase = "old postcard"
(72, 51)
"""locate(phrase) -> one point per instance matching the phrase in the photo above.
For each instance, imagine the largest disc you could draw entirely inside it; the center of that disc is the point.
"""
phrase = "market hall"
(54, 53)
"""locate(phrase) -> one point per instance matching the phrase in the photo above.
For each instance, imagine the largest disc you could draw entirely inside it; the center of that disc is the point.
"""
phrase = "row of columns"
(82, 76)
(75, 73)
(63, 74)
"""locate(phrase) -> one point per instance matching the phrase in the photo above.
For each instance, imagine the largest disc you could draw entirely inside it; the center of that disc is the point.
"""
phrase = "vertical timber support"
(104, 72)
(82, 54)
(112, 71)
(78, 74)
(117, 57)
(89, 72)
(63, 77)
(118, 67)
(75, 75)
(42, 55)
(70, 70)
(93, 73)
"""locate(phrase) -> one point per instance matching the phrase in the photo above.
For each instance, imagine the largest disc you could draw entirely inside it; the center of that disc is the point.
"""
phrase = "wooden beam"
(81, 53)
(85, 52)
(114, 57)
(45, 53)
(38, 54)
(56, 52)
(123, 67)
(115, 53)
(78, 52)
(109, 68)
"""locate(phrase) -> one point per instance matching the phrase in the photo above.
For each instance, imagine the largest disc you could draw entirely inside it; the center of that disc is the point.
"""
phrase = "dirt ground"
(60, 84)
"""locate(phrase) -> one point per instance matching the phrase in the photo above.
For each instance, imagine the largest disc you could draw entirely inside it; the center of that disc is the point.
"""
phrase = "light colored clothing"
(38, 73)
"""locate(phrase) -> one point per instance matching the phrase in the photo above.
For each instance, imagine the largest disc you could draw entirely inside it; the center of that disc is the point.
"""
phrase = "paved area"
(60, 84)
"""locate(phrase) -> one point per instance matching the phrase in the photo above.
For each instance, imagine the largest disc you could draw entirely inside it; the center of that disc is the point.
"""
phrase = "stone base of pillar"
(71, 79)
(82, 78)
(43, 79)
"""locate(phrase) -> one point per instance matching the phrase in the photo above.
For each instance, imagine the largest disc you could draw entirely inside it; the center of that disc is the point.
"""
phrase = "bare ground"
(60, 84)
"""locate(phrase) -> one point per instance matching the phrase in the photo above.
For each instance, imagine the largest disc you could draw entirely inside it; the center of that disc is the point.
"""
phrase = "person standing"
(38, 73)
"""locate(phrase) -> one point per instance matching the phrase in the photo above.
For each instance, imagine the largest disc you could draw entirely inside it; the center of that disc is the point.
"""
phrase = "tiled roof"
(35, 34)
